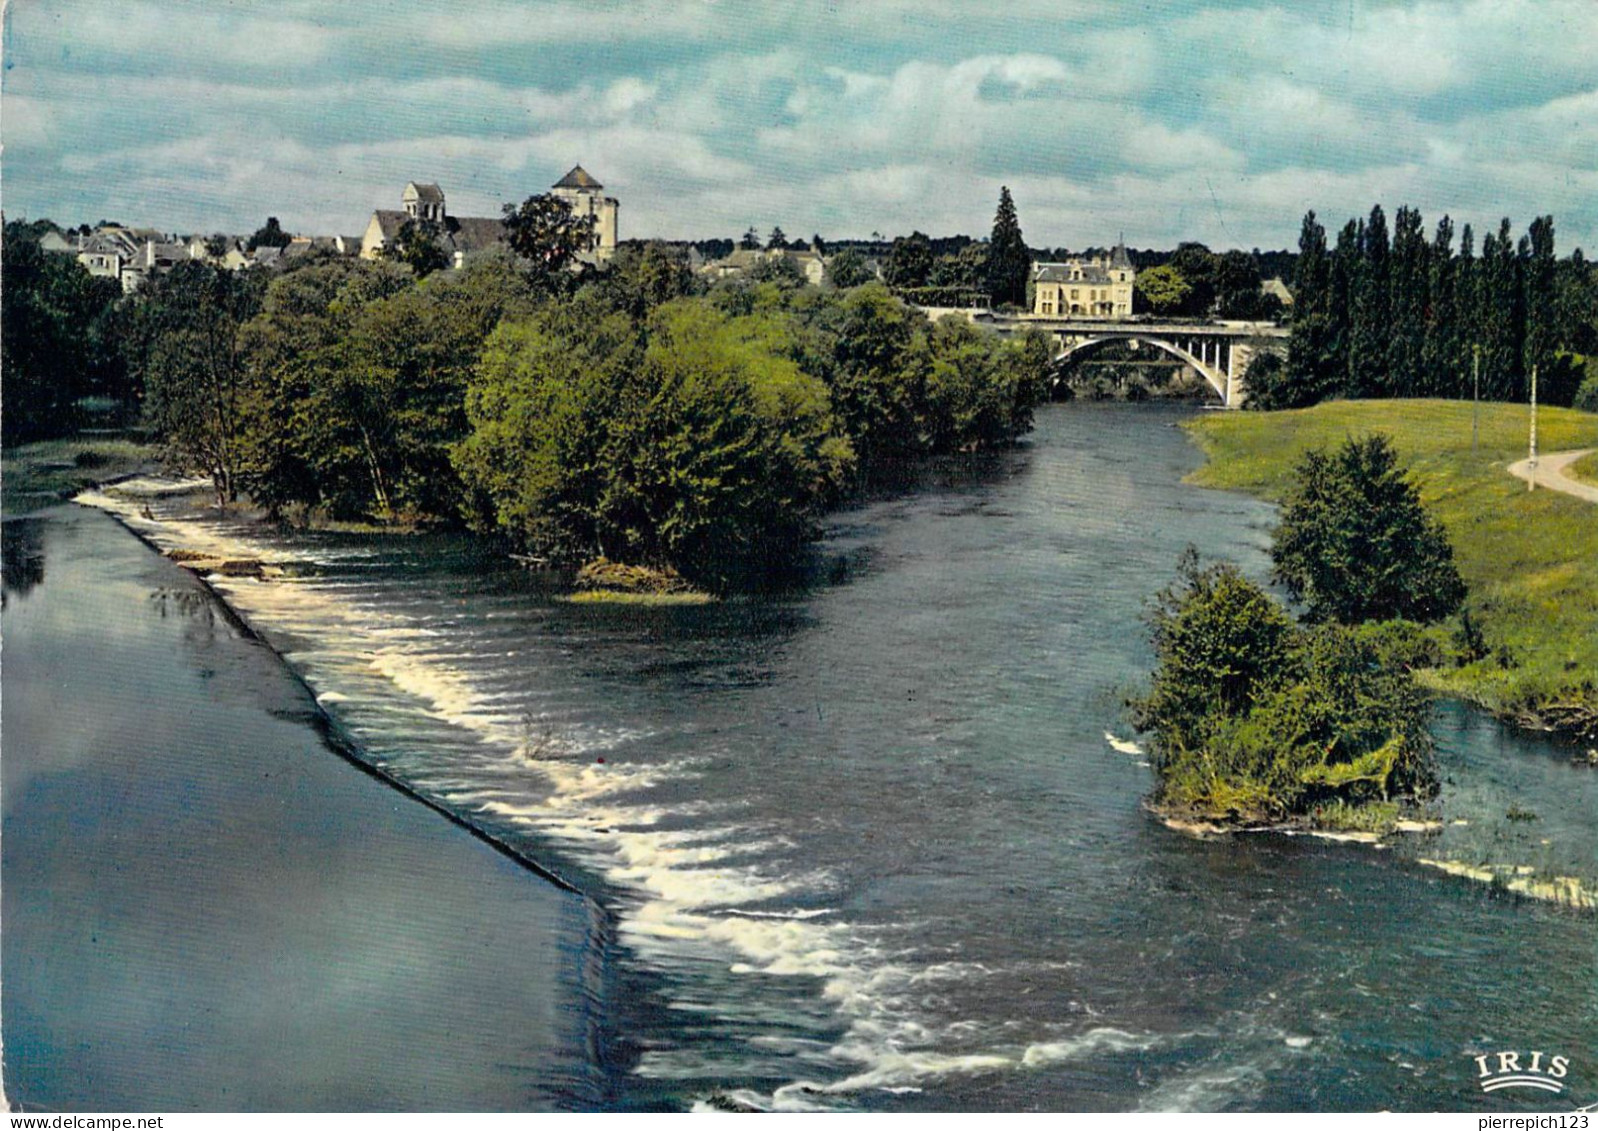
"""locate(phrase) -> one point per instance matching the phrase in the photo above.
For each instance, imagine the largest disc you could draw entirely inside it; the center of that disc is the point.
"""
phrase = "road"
(1550, 473)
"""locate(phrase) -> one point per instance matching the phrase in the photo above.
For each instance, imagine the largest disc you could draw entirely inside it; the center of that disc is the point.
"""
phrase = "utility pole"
(1475, 395)
(1531, 468)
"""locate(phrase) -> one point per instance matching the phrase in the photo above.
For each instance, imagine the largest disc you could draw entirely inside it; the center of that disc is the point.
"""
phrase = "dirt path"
(1550, 473)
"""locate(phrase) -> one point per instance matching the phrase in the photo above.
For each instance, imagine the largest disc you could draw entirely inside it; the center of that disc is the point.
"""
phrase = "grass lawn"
(1530, 558)
(33, 476)
(1584, 469)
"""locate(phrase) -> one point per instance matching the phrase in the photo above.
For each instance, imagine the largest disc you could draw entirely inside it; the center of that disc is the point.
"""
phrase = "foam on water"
(688, 895)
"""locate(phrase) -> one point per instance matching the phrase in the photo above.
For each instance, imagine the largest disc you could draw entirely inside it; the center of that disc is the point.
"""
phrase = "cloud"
(1222, 120)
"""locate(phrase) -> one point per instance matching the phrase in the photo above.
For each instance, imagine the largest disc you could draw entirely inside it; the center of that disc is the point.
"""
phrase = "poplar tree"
(1367, 353)
(1309, 352)
(1009, 261)
(1407, 304)
(1345, 259)
(1500, 307)
(1540, 299)
(1440, 349)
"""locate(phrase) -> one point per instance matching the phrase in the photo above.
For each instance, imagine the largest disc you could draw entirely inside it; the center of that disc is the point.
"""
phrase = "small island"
(1260, 721)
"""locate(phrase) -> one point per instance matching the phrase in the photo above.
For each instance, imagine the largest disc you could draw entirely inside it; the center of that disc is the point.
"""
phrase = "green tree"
(1199, 267)
(1009, 263)
(1254, 719)
(1218, 640)
(847, 269)
(750, 241)
(1443, 373)
(543, 230)
(1355, 543)
(542, 453)
(778, 240)
(1407, 293)
(1500, 305)
(1237, 286)
(1541, 301)
(418, 244)
(187, 346)
(1370, 302)
(1162, 290)
(909, 262)
(57, 338)
(269, 234)
(1310, 356)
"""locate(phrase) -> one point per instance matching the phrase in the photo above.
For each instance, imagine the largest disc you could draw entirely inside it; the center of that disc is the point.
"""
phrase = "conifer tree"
(1009, 261)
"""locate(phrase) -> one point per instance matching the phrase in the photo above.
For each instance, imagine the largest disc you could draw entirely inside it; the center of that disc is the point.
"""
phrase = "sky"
(1164, 120)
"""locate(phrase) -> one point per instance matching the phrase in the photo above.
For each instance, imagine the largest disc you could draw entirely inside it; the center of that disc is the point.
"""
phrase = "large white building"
(1085, 288)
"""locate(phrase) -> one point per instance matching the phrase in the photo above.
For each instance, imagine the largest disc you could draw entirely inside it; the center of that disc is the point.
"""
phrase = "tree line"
(632, 413)
(1398, 314)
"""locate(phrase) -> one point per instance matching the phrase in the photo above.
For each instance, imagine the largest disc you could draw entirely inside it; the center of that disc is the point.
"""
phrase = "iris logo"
(1505, 1070)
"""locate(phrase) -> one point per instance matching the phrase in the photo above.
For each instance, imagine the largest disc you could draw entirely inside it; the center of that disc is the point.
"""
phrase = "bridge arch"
(1216, 377)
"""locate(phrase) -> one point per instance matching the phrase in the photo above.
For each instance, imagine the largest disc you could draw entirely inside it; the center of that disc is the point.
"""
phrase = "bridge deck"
(1106, 326)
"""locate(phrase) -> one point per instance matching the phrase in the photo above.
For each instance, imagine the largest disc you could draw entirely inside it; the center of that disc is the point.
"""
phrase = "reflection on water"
(205, 908)
(21, 556)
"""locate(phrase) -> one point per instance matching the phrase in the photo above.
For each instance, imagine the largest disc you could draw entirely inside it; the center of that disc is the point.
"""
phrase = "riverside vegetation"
(1256, 720)
(1524, 643)
(632, 415)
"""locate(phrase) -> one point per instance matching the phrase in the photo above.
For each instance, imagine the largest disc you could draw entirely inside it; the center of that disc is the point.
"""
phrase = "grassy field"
(1584, 469)
(1530, 558)
(38, 475)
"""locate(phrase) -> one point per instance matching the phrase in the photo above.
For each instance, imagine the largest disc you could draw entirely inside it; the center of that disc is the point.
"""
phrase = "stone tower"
(579, 189)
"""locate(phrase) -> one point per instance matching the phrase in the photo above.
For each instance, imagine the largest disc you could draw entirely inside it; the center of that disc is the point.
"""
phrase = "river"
(871, 845)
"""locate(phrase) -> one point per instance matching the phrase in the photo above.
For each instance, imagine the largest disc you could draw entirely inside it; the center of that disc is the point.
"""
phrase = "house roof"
(1119, 258)
(578, 178)
(474, 233)
(429, 194)
(1091, 273)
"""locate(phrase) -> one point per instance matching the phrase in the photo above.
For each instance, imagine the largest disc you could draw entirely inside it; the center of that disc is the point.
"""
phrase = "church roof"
(428, 194)
(578, 178)
(474, 233)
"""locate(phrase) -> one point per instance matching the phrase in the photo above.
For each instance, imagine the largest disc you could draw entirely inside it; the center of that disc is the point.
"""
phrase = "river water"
(879, 844)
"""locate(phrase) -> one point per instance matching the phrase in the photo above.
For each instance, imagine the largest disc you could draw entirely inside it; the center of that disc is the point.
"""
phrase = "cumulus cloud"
(1221, 120)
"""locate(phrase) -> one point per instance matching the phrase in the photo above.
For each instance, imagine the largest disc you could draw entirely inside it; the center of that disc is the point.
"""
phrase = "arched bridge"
(1220, 352)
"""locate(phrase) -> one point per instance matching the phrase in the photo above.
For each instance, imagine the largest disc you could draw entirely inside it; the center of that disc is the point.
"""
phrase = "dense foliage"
(58, 339)
(1379, 315)
(625, 413)
(1355, 544)
(1253, 718)
(707, 434)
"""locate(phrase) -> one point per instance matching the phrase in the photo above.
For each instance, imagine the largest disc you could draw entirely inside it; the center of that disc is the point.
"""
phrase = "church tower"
(579, 189)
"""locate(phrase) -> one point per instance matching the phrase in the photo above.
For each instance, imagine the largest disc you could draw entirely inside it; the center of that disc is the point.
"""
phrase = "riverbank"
(47, 472)
(207, 909)
(1527, 556)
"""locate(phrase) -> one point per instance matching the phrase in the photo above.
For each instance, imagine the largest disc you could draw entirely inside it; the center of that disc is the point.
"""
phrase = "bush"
(1587, 395)
(1355, 544)
(1255, 719)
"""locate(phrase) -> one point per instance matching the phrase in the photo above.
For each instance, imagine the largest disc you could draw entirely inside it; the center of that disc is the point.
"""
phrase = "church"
(462, 235)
